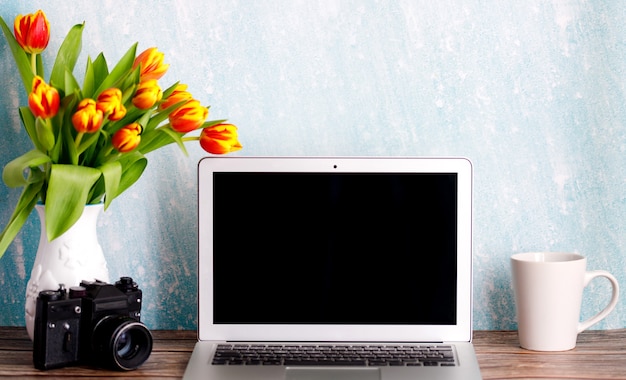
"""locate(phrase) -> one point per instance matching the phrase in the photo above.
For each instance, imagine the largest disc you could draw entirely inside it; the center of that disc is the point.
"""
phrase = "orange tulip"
(127, 138)
(110, 104)
(188, 117)
(147, 94)
(151, 64)
(220, 139)
(44, 99)
(179, 94)
(87, 118)
(32, 32)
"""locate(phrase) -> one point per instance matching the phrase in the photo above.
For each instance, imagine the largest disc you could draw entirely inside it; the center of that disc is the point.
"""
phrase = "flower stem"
(79, 137)
(108, 151)
(33, 63)
(111, 157)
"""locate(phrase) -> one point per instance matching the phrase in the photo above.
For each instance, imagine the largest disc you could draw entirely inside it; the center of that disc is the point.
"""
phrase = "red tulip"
(32, 32)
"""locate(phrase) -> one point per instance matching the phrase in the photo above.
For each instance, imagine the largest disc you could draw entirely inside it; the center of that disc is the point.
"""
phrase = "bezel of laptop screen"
(460, 331)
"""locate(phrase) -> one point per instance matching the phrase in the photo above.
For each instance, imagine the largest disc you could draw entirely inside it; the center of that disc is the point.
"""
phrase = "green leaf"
(29, 121)
(67, 56)
(68, 103)
(94, 147)
(156, 139)
(66, 147)
(130, 83)
(120, 70)
(100, 71)
(13, 173)
(97, 192)
(112, 173)
(45, 135)
(88, 140)
(176, 137)
(211, 123)
(162, 115)
(133, 165)
(66, 196)
(24, 207)
(167, 92)
(145, 118)
(21, 58)
(89, 80)
(71, 85)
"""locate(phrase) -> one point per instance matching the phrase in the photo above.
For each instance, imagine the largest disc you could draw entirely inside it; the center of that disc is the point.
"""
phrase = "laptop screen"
(334, 248)
(329, 248)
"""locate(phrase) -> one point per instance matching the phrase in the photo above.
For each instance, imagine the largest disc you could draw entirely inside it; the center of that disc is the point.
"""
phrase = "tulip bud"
(32, 32)
(110, 103)
(87, 118)
(147, 94)
(220, 139)
(44, 99)
(127, 138)
(188, 117)
(151, 64)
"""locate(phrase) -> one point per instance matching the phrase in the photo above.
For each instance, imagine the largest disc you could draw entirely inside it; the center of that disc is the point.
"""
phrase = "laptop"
(343, 268)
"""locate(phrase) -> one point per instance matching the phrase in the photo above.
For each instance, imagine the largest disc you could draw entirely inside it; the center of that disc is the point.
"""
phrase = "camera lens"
(124, 345)
(122, 342)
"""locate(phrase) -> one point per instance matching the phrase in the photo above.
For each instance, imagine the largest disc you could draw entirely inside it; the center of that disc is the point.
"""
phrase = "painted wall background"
(532, 92)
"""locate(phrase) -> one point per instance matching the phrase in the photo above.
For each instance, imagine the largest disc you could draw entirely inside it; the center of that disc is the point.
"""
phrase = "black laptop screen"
(347, 248)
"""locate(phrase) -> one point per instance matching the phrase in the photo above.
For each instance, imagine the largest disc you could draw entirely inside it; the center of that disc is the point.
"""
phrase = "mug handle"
(614, 298)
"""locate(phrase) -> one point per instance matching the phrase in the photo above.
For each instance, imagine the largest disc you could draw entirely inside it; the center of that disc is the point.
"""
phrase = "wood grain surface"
(599, 355)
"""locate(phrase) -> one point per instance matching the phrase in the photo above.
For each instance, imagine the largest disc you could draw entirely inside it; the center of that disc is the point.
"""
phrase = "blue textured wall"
(532, 91)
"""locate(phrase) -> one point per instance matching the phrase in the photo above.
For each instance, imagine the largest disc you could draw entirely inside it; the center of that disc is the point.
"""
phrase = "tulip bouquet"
(90, 141)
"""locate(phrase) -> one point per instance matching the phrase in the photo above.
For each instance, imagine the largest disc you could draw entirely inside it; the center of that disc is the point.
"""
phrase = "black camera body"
(95, 323)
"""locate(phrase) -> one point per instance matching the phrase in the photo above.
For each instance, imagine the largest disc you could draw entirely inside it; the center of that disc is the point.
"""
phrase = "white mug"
(548, 289)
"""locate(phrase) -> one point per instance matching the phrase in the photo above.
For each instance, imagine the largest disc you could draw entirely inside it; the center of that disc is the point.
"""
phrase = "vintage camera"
(95, 323)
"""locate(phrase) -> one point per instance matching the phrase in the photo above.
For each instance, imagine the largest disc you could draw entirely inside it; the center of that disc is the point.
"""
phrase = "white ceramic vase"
(72, 257)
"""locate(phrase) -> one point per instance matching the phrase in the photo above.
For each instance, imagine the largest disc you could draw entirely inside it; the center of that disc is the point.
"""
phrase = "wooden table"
(599, 355)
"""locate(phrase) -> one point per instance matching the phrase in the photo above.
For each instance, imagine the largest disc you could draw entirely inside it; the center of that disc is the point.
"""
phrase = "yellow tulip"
(87, 118)
(147, 94)
(188, 117)
(44, 99)
(179, 94)
(110, 103)
(151, 64)
(127, 138)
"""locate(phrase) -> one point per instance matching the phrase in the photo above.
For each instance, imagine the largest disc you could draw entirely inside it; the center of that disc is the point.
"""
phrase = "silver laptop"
(316, 268)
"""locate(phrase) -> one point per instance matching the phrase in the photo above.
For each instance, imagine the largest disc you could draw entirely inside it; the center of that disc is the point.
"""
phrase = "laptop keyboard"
(334, 355)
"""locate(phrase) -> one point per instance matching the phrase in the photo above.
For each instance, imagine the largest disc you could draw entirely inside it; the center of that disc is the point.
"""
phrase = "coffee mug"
(548, 289)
